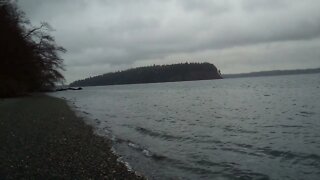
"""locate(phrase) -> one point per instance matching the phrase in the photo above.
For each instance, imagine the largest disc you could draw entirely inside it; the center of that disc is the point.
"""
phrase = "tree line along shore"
(30, 59)
(154, 74)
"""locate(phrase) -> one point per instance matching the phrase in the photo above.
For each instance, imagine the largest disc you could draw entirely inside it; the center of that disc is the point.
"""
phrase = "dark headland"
(41, 138)
(154, 74)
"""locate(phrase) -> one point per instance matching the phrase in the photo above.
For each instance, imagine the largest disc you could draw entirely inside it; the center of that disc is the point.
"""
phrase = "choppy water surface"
(246, 128)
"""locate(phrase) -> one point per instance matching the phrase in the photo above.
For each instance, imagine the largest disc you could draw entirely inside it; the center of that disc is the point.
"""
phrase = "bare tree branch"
(33, 30)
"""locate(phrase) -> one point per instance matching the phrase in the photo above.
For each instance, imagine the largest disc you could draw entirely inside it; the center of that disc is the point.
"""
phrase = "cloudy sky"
(236, 35)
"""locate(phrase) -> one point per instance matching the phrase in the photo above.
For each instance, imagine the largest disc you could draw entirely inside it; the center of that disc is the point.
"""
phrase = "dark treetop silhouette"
(153, 74)
(29, 56)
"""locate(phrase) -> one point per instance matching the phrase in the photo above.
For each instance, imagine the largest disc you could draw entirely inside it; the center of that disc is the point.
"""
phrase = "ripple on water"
(305, 114)
(159, 134)
(227, 170)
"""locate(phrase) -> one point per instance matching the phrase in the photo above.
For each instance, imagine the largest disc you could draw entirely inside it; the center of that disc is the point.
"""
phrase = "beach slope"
(41, 138)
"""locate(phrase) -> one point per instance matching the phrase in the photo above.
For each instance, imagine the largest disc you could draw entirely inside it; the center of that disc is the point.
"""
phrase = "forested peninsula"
(154, 74)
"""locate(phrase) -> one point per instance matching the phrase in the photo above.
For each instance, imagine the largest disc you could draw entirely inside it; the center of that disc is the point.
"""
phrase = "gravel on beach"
(42, 138)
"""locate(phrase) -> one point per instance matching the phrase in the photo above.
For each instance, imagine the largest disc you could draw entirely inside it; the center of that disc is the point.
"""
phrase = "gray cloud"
(265, 5)
(107, 35)
(207, 7)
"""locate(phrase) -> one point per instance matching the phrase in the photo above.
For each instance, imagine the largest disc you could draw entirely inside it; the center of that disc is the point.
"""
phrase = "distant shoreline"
(41, 137)
(273, 73)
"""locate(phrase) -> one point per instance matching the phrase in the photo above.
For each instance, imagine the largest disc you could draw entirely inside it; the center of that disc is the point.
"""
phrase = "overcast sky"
(236, 35)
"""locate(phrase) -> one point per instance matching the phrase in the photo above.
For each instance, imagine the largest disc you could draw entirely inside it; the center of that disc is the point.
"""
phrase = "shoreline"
(41, 137)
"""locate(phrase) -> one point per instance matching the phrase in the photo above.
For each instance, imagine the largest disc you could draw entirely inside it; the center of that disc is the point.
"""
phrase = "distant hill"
(273, 73)
(154, 74)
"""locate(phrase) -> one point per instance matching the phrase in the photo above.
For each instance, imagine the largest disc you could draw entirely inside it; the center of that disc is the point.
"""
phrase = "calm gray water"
(246, 128)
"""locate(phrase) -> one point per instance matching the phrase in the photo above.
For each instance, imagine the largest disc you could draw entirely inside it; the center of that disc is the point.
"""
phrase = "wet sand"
(41, 138)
